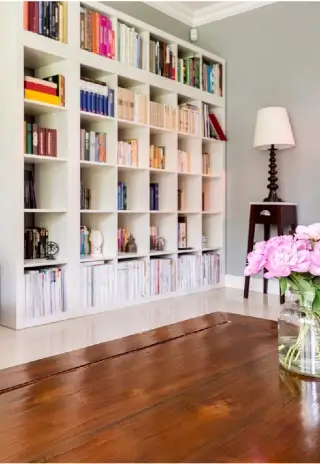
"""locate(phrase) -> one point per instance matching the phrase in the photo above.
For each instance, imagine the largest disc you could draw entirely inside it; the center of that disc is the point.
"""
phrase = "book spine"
(40, 88)
(35, 139)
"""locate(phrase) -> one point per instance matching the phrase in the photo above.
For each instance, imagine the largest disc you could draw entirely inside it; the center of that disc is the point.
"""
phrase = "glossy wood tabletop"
(205, 390)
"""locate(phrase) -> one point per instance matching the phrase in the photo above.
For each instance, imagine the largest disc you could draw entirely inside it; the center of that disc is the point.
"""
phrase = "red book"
(40, 88)
(215, 123)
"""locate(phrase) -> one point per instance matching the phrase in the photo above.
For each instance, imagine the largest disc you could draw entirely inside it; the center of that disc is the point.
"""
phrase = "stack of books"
(44, 292)
(154, 196)
(127, 153)
(93, 146)
(130, 46)
(212, 78)
(211, 126)
(210, 268)
(84, 241)
(189, 119)
(35, 243)
(122, 196)
(96, 33)
(97, 285)
(183, 161)
(46, 18)
(39, 140)
(189, 71)
(96, 97)
(162, 61)
(162, 276)
(131, 281)
(85, 197)
(206, 164)
(123, 236)
(162, 115)
(132, 106)
(29, 190)
(157, 156)
(49, 90)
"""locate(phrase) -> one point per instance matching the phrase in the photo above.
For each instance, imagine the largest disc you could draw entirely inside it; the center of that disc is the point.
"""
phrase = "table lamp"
(273, 132)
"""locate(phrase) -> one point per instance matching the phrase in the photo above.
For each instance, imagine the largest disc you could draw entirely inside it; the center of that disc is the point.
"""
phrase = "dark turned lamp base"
(273, 179)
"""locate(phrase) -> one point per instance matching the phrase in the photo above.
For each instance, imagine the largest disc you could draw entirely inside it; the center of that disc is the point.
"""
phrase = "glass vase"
(299, 335)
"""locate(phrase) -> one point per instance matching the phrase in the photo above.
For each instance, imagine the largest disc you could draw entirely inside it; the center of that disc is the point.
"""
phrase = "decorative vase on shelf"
(299, 334)
(96, 241)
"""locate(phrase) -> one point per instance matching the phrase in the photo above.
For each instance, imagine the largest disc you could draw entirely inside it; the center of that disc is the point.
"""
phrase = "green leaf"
(283, 285)
(302, 284)
(316, 301)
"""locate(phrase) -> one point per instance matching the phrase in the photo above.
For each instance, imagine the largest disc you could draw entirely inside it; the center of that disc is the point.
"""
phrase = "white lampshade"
(273, 128)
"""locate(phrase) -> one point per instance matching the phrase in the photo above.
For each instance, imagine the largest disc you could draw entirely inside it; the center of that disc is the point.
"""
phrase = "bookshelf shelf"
(136, 173)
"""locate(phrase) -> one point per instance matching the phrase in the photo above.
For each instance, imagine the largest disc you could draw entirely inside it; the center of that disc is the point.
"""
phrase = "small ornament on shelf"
(96, 241)
(52, 250)
(204, 241)
(131, 246)
(160, 244)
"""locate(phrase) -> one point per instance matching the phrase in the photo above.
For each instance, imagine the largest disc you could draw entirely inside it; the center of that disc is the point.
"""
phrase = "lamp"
(273, 132)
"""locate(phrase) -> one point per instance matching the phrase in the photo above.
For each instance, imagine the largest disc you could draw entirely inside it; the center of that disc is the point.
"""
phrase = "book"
(132, 106)
(39, 87)
(206, 163)
(154, 196)
(182, 232)
(39, 140)
(59, 80)
(189, 71)
(216, 127)
(96, 33)
(41, 97)
(29, 190)
(188, 119)
(183, 161)
(85, 197)
(35, 243)
(157, 157)
(46, 18)
(162, 115)
(212, 78)
(122, 196)
(96, 97)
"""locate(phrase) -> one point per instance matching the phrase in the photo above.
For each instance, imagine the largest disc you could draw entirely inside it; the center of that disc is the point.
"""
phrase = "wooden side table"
(281, 215)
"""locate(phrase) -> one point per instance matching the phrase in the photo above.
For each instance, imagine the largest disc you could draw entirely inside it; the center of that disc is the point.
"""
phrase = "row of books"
(182, 233)
(162, 115)
(84, 240)
(96, 97)
(162, 61)
(157, 157)
(130, 46)
(211, 126)
(206, 163)
(183, 161)
(128, 153)
(35, 243)
(29, 189)
(189, 119)
(49, 90)
(105, 285)
(122, 196)
(96, 33)
(154, 196)
(46, 18)
(85, 197)
(153, 234)
(132, 106)
(44, 292)
(212, 78)
(93, 146)
(189, 71)
(39, 140)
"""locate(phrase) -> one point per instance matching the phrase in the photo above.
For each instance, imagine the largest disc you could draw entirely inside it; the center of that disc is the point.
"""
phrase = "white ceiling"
(196, 14)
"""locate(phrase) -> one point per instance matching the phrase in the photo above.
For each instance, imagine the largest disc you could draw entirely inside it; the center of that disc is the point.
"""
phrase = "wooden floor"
(206, 390)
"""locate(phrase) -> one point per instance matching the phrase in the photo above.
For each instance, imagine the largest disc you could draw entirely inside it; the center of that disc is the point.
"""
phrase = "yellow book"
(42, 97)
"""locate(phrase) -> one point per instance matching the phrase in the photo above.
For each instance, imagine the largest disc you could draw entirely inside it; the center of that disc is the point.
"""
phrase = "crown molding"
(222, 10)
(176, 10)
(214, 12)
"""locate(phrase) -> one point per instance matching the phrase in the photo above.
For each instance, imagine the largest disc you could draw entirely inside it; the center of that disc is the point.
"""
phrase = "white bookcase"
(57, 181)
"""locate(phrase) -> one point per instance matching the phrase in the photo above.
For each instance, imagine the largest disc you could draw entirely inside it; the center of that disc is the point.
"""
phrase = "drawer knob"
(265, 212)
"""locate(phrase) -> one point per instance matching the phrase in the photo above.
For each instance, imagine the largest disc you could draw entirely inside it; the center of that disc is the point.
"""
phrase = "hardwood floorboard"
(205, 390)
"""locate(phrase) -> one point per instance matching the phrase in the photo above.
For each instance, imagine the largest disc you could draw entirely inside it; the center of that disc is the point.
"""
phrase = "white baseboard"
(256, 284)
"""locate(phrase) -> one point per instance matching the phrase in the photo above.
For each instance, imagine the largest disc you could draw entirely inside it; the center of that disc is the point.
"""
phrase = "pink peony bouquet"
(294, 260)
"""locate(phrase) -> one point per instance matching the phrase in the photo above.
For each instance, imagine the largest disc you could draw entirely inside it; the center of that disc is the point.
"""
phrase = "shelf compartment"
(141, 135)
(212, 230)
(165, 226)
(189, 161)
(193, 230)
(106, 223)
(138, 226)
(103, 188)
(212, 195)
(212, 159)
(168, 141)
(167, 191)
(137, 184)
(189, 193)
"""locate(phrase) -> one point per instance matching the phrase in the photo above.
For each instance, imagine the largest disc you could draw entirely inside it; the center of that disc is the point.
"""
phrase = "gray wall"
(152, 16)
(273, 59)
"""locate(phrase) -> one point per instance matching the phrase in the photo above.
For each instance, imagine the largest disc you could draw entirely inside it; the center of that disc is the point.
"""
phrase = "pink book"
(107, 37)
(101, 29)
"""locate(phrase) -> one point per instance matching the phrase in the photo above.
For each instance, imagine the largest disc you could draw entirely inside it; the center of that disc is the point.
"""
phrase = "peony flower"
(256, 261)
(315, 260)
(284, 257)
(311, 232)
(303, 244)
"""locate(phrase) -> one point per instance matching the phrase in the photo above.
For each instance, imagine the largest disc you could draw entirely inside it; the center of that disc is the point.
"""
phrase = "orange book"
(25, 16)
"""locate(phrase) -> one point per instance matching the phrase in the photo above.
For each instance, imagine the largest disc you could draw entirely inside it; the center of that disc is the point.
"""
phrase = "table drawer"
(265, 214)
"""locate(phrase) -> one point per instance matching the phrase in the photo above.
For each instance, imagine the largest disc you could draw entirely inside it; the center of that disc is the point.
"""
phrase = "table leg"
(249, 248)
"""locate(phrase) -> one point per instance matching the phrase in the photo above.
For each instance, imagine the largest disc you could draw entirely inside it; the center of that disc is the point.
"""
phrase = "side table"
(281, 215)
